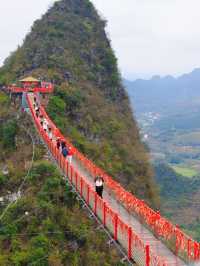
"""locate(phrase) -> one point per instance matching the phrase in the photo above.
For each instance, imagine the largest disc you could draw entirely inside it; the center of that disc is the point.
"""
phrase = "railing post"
(130, 242)
(177, 240)
(147, 250)
(104, 214)
(71, 173)
(59, 160)
(65, 166)
(57, 154)
(67, 169)
(76, 178)
(61, 164)
(51, 146)
(196, 251)
(81, 192)
(88, 195)
(188, 248)
(55, 148)
(95, 203)
(115, 227)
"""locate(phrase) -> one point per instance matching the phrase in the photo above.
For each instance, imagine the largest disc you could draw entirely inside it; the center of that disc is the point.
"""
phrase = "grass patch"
(184, 171)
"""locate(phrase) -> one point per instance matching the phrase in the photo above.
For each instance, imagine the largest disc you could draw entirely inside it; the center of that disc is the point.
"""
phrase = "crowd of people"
(60, 143)
(66, 151)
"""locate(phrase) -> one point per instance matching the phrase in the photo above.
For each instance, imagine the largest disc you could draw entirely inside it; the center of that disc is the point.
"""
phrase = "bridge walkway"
(142, 246)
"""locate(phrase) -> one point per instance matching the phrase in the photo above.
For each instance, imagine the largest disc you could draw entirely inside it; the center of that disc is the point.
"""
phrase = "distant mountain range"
(158, 94)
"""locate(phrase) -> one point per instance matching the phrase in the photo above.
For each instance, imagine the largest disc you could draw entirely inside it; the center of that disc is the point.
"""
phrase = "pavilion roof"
(29, 79)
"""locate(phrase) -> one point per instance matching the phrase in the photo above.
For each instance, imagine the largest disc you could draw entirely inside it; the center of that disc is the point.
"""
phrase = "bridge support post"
(59, 160)
(116, 227)
(71, 173)
(188, 248)
(95, 204)
(147, 255)
(76, 176)
(104, 214)
(129, 243)
(67, 169)
(81, 192)
(88, 195)
(196, 251)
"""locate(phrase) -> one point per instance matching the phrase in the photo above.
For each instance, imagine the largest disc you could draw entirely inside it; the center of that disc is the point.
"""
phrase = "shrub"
(9, 132)
(56, 106)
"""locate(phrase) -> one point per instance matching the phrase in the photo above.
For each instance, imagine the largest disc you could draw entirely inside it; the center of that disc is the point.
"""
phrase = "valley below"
(170, 128)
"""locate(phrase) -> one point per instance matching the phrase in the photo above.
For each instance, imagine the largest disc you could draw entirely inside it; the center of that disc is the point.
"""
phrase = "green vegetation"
(184, 171)
(8, 133)
(179, 198)
(4, 100)
(47, 226)
(174, 185)
(193, 229)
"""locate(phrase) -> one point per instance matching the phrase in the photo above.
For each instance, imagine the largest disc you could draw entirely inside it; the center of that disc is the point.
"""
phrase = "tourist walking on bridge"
(41, 120)
(63, 144)
(99, 185)
(64, 151)
(37, 111)
(50, 134)
(58, 143)
(70, 154)
(45, 125)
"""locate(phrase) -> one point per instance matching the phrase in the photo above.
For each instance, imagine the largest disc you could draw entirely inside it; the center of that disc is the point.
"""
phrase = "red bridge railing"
(46, 87)
(177, 240)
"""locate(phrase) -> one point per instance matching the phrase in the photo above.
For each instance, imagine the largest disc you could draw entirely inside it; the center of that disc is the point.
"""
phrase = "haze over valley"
(168, 114)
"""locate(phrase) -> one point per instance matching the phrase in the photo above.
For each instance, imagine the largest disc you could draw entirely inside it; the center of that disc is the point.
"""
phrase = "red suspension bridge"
(145, 236)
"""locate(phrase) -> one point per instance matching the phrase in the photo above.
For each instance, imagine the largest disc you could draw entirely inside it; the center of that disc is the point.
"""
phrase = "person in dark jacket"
(41, 120)
(58, 143)
(37, 111)
(63, 144)
(64, 151)
(50, 133)
(99, 185)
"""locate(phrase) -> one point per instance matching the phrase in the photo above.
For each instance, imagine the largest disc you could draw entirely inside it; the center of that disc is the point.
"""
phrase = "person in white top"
(70, 154)
(45, 125)
(50, 134)
(99, 185)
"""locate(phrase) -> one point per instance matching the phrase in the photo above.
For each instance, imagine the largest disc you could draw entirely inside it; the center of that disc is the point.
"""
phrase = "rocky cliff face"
(68, 46)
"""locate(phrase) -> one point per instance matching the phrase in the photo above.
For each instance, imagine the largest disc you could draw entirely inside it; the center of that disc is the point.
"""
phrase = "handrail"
(46, 87)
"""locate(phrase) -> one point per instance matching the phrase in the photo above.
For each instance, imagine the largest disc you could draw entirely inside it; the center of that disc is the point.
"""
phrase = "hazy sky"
(149, 36)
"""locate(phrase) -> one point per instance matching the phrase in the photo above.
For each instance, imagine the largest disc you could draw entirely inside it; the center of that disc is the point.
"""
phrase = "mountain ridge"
(68, 45)
(158, 92)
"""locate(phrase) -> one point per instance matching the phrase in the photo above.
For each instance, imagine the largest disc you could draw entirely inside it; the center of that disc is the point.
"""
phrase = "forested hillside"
(68, 46)
(46, 225)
